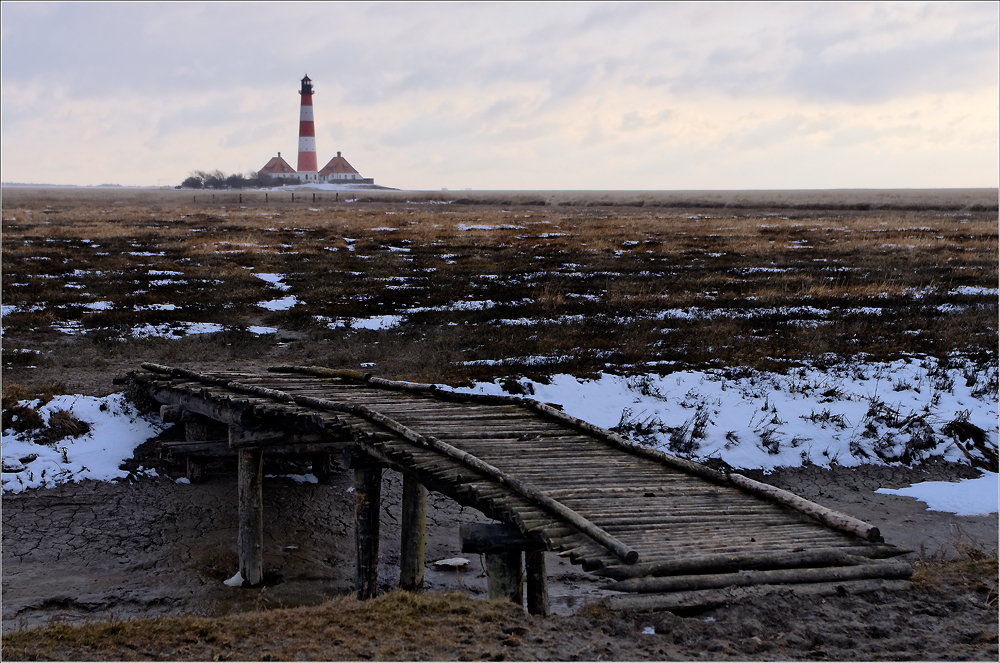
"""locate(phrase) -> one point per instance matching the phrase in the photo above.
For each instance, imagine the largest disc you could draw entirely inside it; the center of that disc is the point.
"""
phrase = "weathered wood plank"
(884, 570)
(757, 560)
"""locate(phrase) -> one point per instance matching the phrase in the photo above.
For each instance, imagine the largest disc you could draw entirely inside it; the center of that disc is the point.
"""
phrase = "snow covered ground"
(843, 414)
(116, 429)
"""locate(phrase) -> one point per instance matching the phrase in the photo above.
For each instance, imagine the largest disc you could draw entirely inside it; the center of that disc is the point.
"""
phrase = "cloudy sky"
(522, 96)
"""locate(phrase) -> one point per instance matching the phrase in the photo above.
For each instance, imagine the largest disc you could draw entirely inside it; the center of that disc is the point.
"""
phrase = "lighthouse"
(308, 166)
(337, 171)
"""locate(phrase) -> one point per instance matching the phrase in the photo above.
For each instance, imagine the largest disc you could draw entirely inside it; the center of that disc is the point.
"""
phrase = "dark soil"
(93, 552)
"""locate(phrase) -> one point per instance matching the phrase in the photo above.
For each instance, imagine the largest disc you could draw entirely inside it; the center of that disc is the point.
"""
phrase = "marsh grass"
(952, 607)
(500, 286)
(395, 626)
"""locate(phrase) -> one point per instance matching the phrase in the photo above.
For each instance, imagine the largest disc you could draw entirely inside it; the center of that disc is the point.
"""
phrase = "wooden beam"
(197, 405)
(367, 500)
(250, 542)
(713, 597)
(731, 562)
(170, 413)
(240, 437)
(488, 538)
(883, 570)
(412, 535)
(834, 519)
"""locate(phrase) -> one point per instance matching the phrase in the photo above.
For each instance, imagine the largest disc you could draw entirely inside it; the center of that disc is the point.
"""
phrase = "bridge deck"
(682, 519)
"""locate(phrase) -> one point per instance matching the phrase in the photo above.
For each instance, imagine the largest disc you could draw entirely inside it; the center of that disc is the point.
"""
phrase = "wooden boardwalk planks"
(674, 515)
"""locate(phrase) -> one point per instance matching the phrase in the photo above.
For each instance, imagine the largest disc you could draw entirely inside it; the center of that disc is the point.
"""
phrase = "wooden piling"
(367, 500)
(250, 542)
(413, 535)
(538, 583)
(195, 470)
(503, 576)
(321, 467)
(199, 429)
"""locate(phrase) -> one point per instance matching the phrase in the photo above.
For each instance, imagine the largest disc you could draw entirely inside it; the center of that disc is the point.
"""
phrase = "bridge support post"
(503, 576)
(196, 429)
(413, 535)
(321, 467)
(367, 501)
(538, 583)
(195, 470)
(250, 540)
(503, 545)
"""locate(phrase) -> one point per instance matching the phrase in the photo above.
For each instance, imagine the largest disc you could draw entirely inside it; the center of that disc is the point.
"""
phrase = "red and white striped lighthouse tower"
(308, 166)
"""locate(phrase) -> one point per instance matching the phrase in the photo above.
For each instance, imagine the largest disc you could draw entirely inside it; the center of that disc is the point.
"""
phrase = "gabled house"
(338, 169)
(277, 167)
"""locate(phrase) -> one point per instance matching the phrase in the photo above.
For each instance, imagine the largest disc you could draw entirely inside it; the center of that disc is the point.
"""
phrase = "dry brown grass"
(397, 626)
(601, 288)
(949, 613)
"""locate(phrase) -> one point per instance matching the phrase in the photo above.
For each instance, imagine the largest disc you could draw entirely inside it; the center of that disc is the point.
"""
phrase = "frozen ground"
(116, 429)
(841, 415)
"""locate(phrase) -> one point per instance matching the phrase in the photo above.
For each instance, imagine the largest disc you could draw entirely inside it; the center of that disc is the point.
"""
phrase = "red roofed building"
(278, 167)
(339, 169)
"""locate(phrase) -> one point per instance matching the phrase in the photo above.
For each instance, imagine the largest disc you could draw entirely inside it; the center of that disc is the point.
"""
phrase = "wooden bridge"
(673, 533)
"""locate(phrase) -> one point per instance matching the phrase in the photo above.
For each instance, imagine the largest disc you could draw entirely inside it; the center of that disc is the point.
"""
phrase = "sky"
(570, 96)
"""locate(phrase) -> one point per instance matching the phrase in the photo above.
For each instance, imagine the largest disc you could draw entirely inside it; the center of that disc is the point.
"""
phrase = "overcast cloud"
(524, 96)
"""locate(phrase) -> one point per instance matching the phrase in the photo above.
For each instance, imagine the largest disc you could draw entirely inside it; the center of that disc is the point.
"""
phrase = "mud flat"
(97, 550)
(153, 547)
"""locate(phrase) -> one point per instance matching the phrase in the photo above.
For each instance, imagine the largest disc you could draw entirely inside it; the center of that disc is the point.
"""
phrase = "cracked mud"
(152, 547)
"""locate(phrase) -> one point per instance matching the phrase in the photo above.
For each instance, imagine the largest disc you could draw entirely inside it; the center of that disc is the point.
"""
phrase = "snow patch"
(969, 497)
(116, 429)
